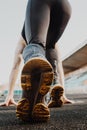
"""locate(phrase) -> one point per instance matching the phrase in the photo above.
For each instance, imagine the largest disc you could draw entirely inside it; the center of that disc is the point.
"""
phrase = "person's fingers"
(7, 104)
(13, 102)
(67, 101)
(2, 104)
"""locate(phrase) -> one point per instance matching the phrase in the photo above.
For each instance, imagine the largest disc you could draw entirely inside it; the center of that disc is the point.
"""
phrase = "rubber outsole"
(56, 96)
(36, 78)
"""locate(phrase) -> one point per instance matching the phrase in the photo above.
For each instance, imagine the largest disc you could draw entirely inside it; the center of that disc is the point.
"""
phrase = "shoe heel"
(22, 111)
(56, 95)
(40, 113)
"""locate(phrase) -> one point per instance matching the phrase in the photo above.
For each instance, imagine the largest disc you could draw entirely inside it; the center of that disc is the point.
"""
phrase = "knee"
(67, 10)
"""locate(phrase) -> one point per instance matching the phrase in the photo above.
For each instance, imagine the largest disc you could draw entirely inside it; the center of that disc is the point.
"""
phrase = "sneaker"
(56, 96)
(36, 79)
(57, 90)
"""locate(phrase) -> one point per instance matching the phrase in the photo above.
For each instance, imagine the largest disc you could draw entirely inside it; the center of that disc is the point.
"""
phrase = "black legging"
(45, 21)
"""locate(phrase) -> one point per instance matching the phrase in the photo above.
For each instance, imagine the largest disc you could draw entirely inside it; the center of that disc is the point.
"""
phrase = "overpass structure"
(76, 59)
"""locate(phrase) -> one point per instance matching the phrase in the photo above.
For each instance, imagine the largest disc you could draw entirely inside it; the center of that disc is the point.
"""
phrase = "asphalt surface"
(68, 117)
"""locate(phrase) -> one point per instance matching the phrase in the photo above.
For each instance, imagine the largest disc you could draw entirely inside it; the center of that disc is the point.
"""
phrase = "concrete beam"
(76, 60)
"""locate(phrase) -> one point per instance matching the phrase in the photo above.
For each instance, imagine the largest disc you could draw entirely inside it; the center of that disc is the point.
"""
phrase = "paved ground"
(68, 117)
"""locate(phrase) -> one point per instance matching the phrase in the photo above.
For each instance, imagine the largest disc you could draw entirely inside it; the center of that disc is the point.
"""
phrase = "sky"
(12, 14)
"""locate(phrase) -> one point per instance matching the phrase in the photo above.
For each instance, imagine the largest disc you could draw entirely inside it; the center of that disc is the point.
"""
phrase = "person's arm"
(60, 66)
(14, 72)
(61, 75)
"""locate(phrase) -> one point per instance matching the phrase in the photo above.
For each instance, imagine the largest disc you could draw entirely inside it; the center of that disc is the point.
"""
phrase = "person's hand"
(67, 101)
(8, 102)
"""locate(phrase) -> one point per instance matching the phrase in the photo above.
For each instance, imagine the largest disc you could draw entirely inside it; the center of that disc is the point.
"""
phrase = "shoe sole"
(56, 94)
(37, 74)
(40, 113)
